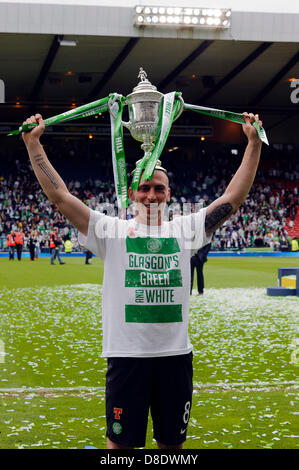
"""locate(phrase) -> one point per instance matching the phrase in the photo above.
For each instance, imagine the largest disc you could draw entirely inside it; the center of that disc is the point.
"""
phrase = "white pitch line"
(224, 385)
(291, 383)
(52, 389)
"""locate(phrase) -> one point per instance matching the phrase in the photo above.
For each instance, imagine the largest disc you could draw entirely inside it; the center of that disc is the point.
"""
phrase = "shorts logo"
(117, 412)
(117, 428)
(154, 245)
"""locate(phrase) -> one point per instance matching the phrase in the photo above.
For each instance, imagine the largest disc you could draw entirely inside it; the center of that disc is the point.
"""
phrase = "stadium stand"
(267, 219)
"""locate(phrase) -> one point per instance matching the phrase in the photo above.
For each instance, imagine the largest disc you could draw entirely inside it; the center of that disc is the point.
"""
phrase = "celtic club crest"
(154, 245)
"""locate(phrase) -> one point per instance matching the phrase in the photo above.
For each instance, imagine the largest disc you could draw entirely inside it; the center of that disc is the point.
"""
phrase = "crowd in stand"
(259, 222)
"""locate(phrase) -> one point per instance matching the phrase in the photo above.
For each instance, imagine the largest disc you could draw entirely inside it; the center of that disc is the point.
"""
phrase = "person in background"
(38, 239)
(88, 256)
(11, 244)
(294, 244)
(19, 240)
(32, 242)
(55, 243)
(68, 246)
(197, 261)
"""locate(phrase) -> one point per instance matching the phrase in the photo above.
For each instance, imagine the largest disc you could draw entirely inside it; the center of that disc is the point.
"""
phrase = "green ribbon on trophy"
(151, 116)
(228, 116)
(118, 153)
(170, 108)
(99, 106)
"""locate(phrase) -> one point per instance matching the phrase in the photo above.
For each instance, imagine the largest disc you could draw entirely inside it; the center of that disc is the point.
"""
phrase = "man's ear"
(131, 194)
(168, 195)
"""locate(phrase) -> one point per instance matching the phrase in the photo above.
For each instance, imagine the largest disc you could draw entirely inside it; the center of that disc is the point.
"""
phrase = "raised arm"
(236, 192)
(54, 187)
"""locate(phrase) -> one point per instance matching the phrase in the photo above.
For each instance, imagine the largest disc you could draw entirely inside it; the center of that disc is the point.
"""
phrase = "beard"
(150, 214)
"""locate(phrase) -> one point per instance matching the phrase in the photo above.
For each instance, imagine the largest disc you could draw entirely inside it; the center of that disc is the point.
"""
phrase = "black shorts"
(135, 385)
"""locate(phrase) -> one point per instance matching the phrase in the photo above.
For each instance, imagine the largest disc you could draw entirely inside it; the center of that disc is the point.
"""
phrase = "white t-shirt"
(146, 282)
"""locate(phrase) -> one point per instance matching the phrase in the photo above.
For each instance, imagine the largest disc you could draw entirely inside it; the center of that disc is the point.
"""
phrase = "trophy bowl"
(144, 110)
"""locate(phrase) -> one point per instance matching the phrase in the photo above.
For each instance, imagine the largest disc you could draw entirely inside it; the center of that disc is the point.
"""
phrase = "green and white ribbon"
(138, 170)
(169, 111)
(228, 116)
(99, 106)
(118, 154)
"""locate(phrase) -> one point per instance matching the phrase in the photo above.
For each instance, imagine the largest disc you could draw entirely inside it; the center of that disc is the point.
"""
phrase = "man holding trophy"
(146, 300)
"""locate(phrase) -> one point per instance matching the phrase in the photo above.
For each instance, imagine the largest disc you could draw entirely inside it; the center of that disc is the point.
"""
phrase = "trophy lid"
(144, 84)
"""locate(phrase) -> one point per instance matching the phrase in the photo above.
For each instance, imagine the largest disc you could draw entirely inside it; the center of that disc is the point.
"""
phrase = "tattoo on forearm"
(218, 216)
(48, 172)
(38, 158)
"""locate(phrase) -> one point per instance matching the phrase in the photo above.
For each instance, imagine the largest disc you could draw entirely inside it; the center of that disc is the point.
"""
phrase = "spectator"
(68, 246)
(19, 240)
(55, 243)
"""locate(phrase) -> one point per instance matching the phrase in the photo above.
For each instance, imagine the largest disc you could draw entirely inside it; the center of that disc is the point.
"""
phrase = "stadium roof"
(245, 68)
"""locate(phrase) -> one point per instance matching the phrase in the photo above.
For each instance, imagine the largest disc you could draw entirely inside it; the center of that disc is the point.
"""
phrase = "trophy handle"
(127, 124)
(111, 103)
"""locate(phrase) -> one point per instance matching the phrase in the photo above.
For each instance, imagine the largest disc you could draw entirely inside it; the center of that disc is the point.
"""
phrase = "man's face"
(150, 198)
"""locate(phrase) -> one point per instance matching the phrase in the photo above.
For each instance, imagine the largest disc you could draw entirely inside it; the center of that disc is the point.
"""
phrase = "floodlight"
(173, 16)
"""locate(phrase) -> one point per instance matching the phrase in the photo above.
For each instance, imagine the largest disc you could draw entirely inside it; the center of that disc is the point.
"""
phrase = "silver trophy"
(144, 110)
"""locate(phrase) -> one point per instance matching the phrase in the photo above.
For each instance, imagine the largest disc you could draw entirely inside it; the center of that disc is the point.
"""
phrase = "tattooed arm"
(236, 192)
(54, 187)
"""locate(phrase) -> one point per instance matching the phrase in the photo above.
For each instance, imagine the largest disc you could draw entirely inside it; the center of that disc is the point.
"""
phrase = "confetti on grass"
(242, 335)
(244, 370)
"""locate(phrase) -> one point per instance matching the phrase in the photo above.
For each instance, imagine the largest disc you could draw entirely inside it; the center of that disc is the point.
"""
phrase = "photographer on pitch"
(145, 312)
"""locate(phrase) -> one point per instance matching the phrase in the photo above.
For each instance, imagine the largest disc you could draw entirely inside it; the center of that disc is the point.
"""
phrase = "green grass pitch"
(52, 375)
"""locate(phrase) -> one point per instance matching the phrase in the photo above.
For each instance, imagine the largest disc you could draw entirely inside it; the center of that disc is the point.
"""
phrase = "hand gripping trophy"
(151, 115)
